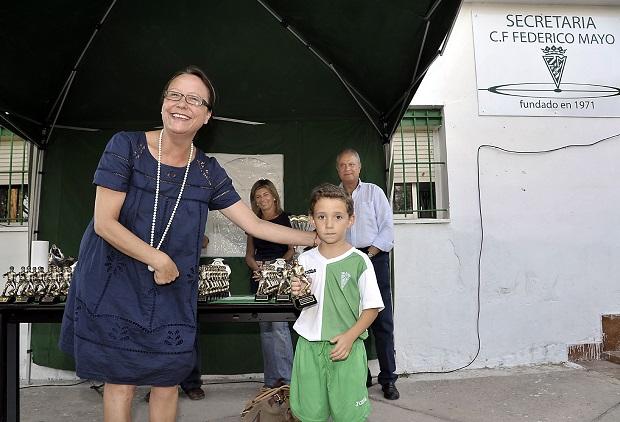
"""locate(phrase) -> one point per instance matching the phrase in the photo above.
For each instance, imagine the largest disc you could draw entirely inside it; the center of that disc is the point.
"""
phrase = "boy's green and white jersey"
(343, 286)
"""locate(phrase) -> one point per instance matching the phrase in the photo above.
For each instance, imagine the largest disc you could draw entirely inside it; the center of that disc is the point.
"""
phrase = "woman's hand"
(166, 270)
(256, 272)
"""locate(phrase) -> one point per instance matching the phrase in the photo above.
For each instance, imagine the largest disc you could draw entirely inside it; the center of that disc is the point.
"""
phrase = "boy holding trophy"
(330, 350)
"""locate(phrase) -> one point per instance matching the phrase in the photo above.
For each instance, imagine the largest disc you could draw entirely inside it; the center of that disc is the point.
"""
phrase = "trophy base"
(261, 298)
(62, 298)
(49, 300)
(203, 298)
(283, 298)
(301, 302)
(24, 299)
(7, 299)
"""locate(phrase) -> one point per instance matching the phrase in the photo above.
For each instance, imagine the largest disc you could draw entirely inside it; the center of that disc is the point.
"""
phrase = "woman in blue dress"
(131, 316)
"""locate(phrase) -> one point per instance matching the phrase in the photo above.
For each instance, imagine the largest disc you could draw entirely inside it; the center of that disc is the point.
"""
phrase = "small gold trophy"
(40, 281)
(271, 275)
(25, 288)
(305, 297)
(284, 289)
(52, 294)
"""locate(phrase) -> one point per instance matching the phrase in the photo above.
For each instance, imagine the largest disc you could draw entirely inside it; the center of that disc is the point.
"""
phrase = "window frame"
(427, 162)
(14, 153)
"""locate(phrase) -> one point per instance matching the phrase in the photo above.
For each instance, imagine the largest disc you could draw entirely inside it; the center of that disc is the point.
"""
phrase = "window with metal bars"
(14, 164)
(418, 166)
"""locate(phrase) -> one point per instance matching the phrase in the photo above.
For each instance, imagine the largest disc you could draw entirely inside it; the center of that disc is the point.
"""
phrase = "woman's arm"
(243, 217)
(108, 204)
(249, 254)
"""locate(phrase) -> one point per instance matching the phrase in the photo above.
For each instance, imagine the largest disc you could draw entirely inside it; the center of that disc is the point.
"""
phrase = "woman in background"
(275, 336)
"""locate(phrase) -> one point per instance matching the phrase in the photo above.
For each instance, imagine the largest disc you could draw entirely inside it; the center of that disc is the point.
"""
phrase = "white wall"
(13, 248)
(551, 258)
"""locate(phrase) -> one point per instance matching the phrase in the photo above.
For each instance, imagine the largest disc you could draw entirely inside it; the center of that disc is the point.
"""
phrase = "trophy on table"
(54, 284)
(40, 282)
(284, 289)
(25, 286)
(270, 276)
(305, 297)
(300, 222)
(10, 287)
(213, 280)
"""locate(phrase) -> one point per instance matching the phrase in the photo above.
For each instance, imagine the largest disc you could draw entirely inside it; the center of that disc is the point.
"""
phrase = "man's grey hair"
(348, 151)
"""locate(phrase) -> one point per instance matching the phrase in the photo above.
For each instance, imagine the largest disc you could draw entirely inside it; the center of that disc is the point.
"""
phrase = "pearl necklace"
(174, 210)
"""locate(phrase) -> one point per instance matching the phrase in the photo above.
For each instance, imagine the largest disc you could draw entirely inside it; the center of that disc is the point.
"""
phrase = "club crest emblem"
(555, 59)
(344, 279)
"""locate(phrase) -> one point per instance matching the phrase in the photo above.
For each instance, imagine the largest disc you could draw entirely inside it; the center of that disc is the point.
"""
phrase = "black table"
(232, 309)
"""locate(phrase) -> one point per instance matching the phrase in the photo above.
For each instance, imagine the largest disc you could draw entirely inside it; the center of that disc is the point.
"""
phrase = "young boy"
(329, 367)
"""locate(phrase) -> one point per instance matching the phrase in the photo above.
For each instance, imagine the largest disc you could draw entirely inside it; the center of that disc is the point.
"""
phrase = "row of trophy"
(32, 284)
(213, 281)
(274, 281)
(35, 284)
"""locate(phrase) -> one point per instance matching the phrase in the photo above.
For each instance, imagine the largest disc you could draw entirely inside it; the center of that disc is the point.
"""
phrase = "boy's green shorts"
(320, 387)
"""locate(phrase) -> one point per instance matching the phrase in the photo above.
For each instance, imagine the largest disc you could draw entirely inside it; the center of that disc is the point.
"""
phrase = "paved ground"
(590, 393)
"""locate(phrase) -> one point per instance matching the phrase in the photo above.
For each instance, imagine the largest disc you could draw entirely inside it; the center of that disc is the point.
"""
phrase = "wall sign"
(547, 62)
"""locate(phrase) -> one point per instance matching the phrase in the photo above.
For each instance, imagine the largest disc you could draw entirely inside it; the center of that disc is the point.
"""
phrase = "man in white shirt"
(373, 233)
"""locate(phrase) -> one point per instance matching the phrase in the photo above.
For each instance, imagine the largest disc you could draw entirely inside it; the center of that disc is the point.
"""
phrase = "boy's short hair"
(328, 190)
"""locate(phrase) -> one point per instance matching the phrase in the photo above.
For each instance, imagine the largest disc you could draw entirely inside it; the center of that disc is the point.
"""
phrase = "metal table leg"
(12, 371)
(3, 368)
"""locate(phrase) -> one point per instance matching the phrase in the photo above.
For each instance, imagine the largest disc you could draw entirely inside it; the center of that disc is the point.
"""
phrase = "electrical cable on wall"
(545, 151)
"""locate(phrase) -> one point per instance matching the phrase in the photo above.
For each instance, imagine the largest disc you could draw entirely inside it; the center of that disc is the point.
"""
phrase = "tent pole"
(432, 10)
(17, 129)
(34, 192)
(34, 200)
(418, 76)
(62, 96)
(410, 87)
(404, 104)
(381, 133)
(331, 66)
(447, 37)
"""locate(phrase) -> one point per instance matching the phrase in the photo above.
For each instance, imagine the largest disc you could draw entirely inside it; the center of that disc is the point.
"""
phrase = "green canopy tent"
(319, 75)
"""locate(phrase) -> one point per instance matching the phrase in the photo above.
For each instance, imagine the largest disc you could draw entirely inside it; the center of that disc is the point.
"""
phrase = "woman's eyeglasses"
(191, 99)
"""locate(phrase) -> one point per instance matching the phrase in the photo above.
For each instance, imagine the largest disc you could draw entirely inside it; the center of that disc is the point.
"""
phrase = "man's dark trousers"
(383, 326)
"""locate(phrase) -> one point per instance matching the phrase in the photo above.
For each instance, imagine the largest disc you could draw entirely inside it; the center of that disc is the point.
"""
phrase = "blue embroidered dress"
(118, 324)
